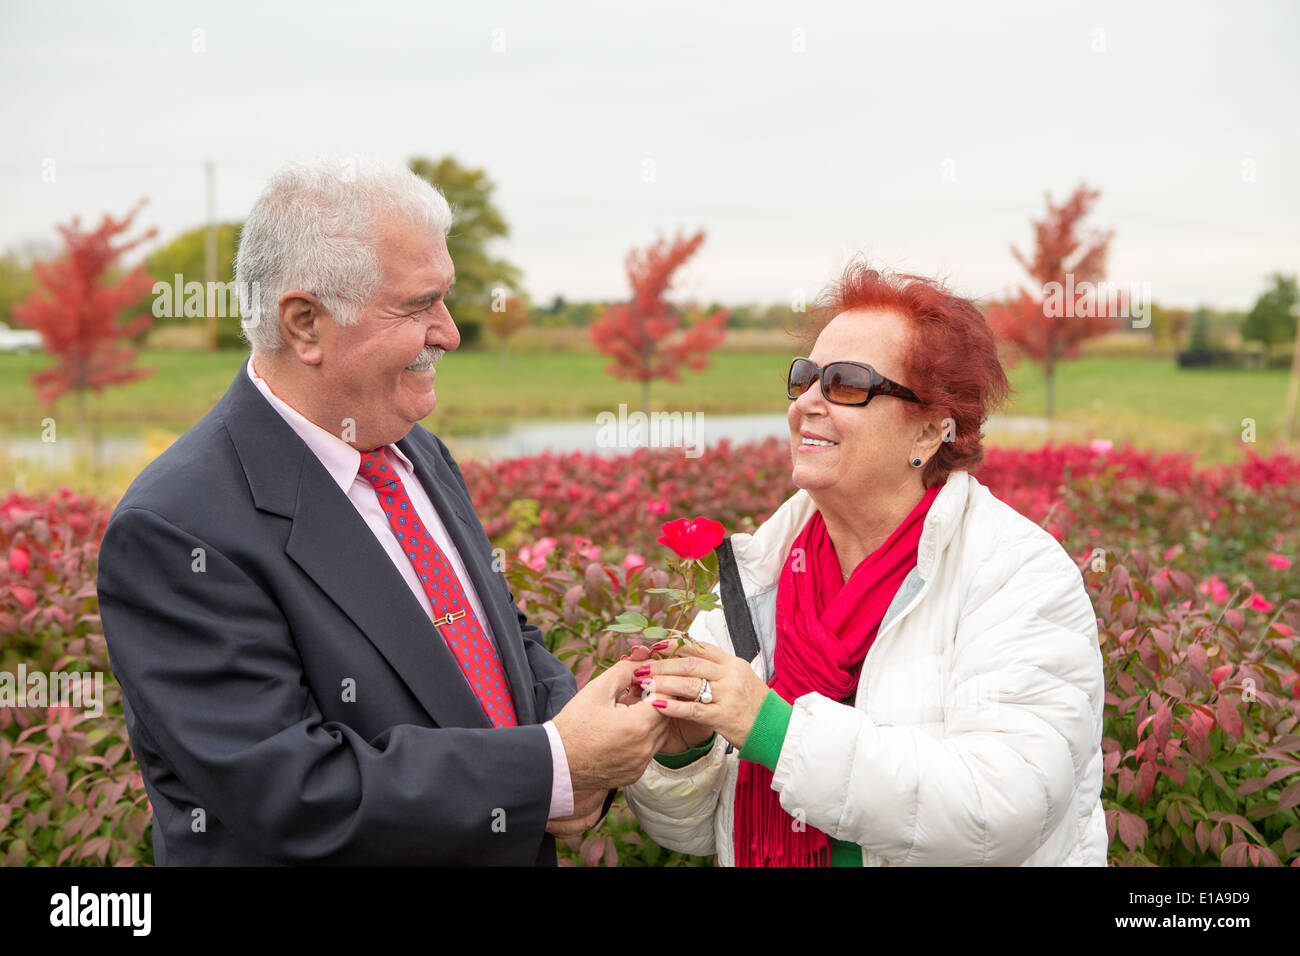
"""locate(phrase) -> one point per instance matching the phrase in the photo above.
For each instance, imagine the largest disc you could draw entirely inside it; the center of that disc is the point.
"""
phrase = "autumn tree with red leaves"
(75, 306)
(645, 337)
(508, 315)
(1050, 321)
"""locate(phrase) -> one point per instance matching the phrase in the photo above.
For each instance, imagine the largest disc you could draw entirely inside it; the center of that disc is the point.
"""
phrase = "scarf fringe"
(765, 835)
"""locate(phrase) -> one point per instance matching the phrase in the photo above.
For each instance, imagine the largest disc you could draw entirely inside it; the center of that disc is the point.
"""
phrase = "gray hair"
(314, 228)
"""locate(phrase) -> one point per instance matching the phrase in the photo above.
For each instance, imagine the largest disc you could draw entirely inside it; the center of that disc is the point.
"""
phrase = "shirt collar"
(341, 460)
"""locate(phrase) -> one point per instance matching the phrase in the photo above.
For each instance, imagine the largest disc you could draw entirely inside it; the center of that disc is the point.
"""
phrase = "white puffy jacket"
(975, 736)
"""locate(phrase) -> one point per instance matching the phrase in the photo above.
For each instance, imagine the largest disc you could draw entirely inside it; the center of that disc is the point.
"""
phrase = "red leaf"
(1218, 837)
(1163, 724)
(1132, 829)
(1229, 717)
(1124, 781)
(1235, 854)
(1256, 784)
(1146, 780)
(1290, 797)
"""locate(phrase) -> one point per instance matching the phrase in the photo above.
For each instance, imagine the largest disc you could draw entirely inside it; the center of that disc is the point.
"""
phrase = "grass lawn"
(1155, 404)
(1150, 402)
(477, 391)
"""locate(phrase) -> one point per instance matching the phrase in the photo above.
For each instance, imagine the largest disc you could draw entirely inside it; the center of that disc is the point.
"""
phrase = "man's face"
(367, 367)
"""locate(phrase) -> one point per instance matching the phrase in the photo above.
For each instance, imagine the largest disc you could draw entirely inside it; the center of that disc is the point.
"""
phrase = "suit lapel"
(334, 546)
(466, 533)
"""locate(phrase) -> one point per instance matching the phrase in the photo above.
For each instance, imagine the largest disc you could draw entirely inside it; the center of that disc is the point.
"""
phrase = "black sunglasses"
(843, 383)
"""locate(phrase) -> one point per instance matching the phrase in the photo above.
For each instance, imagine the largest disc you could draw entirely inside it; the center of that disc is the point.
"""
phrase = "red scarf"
(824, 627)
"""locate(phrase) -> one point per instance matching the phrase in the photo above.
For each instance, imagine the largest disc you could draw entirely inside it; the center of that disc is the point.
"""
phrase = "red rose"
(692, 539)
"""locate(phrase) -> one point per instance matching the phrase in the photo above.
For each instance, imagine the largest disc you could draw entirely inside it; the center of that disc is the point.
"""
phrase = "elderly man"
(320, 660)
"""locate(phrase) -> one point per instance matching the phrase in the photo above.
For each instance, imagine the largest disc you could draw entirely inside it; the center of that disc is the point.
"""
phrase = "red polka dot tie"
(452, 612)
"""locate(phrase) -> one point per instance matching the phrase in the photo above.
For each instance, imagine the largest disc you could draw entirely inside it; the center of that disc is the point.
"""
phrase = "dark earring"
(916, 463)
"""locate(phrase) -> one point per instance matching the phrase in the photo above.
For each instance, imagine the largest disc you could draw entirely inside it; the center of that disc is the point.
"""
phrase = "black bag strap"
(739, 624)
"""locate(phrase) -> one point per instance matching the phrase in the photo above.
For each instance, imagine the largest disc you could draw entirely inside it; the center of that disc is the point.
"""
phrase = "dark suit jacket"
(242, 595)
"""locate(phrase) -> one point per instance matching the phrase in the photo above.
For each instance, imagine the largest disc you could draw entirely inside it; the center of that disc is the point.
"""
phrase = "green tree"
(1168, 327)
(17, 277)
(1200, 334)
(184, 256)
(477, 224)
(1273, 318)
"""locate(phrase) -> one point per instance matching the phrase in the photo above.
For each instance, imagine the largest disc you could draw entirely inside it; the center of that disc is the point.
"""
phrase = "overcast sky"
(925, 135)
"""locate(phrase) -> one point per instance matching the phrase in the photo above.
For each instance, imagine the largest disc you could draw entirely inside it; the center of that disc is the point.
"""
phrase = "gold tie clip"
(451, 618)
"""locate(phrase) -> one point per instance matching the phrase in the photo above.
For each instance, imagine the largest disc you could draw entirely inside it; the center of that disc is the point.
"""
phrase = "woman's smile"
(810, 442)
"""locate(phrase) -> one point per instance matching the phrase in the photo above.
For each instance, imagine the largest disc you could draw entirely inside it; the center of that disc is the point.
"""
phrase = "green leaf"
(655, 633)
(632, 617)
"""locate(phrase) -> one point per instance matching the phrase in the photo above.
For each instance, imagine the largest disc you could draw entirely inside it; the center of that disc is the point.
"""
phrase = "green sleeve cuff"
(763, 744)
(679, 760)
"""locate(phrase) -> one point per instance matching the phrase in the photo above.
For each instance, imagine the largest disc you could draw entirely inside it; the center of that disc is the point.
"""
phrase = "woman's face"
(871, 445)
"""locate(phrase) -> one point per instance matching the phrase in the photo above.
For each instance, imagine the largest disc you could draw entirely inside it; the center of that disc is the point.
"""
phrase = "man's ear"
(301, 318)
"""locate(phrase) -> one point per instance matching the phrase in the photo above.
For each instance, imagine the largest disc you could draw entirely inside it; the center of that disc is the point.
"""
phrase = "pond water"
(616, 434)
(607, 434)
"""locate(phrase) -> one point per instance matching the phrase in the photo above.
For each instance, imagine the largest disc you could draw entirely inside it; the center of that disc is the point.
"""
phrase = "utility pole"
(210, 258)
(1293, 388)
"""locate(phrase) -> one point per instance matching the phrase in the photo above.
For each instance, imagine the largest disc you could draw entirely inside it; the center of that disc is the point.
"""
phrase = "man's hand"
(606, 743)
(586, 811)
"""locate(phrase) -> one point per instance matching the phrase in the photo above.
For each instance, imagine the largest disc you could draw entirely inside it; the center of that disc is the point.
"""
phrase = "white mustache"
(428, 355)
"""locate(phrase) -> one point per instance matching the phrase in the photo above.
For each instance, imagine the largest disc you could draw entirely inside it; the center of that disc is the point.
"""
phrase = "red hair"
(951, 361)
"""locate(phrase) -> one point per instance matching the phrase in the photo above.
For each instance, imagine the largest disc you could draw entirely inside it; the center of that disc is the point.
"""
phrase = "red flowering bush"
(619, 501)
(577, 602)
(1206, 782)
(1191, 571)
(1202, 759)
(70, 791)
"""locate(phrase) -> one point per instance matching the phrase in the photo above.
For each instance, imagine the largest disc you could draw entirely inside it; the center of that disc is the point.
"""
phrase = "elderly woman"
(927, 687)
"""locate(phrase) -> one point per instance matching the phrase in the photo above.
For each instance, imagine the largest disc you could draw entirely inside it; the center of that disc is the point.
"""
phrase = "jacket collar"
(761, 556)
(332, 544)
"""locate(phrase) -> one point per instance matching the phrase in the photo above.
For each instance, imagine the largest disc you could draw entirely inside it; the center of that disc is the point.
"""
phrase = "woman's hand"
(685, 735)
(682, 734)
(737, 691)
